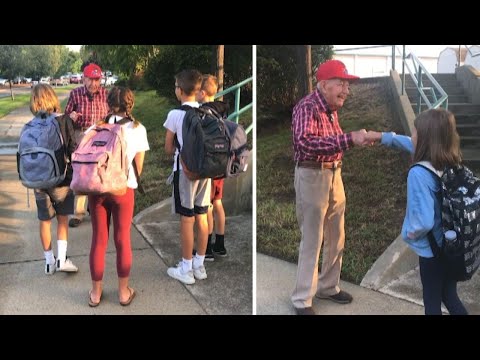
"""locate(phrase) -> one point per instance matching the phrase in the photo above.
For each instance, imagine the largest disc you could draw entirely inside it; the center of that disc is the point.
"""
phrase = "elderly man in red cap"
(86, 105)
(319, 143)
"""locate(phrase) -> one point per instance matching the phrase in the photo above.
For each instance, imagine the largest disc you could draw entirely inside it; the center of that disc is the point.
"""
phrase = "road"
(17, 89)
(11, 125)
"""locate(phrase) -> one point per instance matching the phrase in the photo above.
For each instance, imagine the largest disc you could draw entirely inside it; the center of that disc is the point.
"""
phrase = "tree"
(40, 61)
(70, 63)
(278, 73)
(320, 54)
(220, 51)
(12, 62)
(304, 69)
(171, 59)
(124, 59)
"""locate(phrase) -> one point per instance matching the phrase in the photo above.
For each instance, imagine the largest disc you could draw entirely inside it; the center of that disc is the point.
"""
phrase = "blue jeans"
(437, 288)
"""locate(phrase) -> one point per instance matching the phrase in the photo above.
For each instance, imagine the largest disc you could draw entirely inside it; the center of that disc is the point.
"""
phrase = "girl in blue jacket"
(436, 144)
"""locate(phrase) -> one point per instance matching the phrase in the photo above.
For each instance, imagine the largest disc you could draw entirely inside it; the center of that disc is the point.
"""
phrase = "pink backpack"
(100, 163)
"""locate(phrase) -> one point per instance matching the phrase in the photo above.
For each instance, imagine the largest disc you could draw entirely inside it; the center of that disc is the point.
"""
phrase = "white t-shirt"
(174, 123)
(136, 140)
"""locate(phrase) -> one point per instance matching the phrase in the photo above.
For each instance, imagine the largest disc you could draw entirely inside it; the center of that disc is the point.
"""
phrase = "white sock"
(49, 258)
(186, 265)
(198, 261)
(61, 250)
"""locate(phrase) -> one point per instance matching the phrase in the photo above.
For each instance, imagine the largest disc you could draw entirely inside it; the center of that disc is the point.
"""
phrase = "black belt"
(320, 165)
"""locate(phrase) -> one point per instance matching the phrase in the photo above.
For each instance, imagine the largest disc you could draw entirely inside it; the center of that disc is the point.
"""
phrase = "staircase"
(466, 113)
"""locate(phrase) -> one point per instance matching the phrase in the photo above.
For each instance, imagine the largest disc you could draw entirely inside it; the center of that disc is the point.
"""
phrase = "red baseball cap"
(92, 71)
(334, 69)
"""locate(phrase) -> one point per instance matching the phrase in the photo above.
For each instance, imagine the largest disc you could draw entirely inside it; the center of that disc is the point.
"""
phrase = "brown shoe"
(129, 300)
(341, 298)
(305, 311)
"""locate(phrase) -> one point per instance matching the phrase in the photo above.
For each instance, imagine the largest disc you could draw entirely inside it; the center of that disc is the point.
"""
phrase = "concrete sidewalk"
(25, 289)
(276, 279)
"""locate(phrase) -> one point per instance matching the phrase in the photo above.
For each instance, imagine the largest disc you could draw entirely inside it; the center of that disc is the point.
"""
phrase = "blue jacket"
(423, 207)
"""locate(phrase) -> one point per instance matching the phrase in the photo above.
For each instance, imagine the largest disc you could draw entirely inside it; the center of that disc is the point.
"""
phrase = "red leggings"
(102, 207)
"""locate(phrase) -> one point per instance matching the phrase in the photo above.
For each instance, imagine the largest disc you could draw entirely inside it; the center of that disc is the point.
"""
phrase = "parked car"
(111, 80)
(34, 81)
(62, 80)
(76, 79)
(3, 81)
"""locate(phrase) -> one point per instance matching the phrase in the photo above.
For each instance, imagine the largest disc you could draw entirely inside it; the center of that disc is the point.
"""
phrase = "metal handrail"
(236, 114)
(468, 49)
(417, 77)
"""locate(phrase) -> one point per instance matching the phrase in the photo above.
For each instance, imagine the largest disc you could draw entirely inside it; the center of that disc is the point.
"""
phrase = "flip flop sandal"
(90, 302)
(132, 295)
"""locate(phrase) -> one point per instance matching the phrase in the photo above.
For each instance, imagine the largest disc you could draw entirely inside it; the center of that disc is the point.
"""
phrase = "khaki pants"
(320, 207)
(81, 203)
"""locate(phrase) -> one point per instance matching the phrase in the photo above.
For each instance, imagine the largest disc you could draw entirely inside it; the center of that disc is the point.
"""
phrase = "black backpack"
(205, 144)
(460, 201)
(212, 145)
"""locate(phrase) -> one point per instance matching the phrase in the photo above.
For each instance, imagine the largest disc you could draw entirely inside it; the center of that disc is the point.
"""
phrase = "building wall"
(378, 65)
(473, 60)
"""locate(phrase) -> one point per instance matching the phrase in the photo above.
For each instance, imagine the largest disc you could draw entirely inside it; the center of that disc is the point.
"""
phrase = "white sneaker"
(67, 266)
(50, 268)
(200, 273)
(177, 273)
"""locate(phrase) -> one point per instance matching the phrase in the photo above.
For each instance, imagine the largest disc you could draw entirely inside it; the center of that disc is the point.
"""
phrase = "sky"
(74, 47)
(419, 50)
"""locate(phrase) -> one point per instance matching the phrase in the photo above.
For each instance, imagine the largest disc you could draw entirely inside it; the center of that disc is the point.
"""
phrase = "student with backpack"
(190, 197)
(120, 207)
(435, 145)
(86, 105)
(206, 97)
(45, 147)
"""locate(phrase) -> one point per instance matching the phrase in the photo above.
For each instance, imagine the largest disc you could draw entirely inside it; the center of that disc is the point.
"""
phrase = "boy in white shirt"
(191, 198)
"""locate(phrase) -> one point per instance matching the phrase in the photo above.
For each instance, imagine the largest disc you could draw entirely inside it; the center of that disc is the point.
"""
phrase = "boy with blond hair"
(206, 97)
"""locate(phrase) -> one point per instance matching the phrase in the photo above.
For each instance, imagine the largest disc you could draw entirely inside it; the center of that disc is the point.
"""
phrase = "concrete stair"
(466, 113)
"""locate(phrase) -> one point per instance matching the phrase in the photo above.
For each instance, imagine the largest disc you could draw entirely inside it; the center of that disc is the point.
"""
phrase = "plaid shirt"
(316, 132)
(92, 110)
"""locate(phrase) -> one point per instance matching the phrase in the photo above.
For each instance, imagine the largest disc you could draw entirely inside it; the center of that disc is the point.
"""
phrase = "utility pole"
(304, 56)
(220, 62)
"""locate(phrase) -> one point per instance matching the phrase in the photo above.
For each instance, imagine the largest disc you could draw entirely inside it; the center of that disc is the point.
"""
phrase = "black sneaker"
(305, 311)
(208, 255)
(341, 298)
(220, 252)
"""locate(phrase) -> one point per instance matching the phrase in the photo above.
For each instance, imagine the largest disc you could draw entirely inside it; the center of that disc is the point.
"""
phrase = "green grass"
(151, 110)
(7, 105)
(374, 180)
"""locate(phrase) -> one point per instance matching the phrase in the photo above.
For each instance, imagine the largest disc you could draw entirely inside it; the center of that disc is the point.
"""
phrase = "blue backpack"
(41, 156)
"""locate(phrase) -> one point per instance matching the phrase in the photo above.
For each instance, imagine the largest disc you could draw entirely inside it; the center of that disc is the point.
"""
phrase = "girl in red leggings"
(103, 207)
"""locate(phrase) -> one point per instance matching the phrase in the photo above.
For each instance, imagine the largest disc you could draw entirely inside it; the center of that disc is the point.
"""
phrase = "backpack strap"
(175, 138)
(185, 107)
(437, 252)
